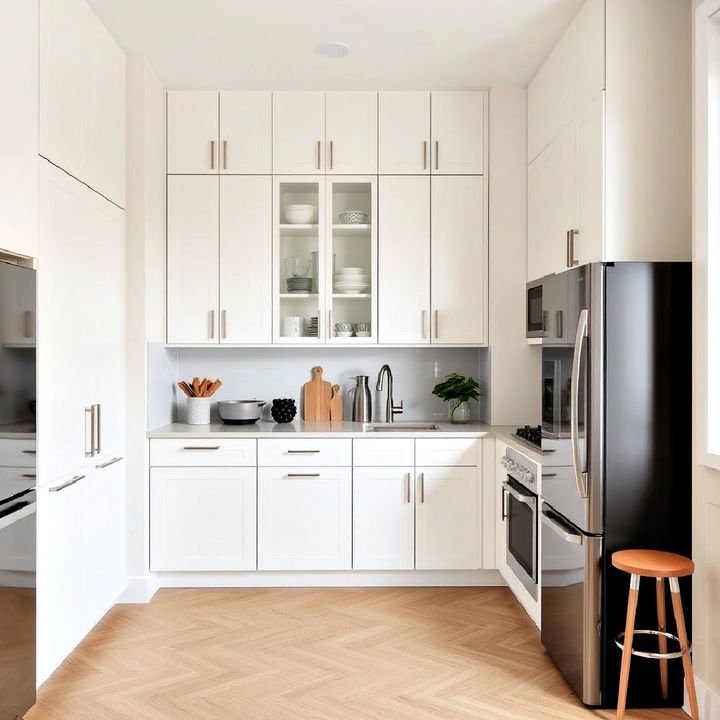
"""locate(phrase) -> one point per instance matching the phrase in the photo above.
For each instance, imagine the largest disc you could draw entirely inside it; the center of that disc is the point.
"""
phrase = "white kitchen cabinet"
(381, 452)
(458, 133)
(351, 132)
(404, 260)
(304, 452)
(246, 259)
(404, 133)
(202, 518)
(458, 260)
(192, 132)
(82, 97)
(211, 452)
(298, 133)
(192, 259)
(245, 140)
(19, 128)
(447, 525)
(383, 518)
(304, 518)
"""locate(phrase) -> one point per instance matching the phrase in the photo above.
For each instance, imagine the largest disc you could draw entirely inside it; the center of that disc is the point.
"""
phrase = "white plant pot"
(198, 411)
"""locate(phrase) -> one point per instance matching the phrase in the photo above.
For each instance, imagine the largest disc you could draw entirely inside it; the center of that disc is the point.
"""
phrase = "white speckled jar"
(198, 411)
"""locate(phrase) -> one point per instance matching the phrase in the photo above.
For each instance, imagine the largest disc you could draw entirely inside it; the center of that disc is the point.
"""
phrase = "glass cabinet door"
(351, 260)
(299, 260)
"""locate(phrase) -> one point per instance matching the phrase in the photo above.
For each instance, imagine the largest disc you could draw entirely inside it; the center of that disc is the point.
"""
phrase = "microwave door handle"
(559, 528)
(525, 499)
(580, 474)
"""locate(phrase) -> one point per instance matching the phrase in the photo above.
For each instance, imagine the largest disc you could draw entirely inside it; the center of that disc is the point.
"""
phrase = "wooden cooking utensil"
(317, 394)
(336, 404)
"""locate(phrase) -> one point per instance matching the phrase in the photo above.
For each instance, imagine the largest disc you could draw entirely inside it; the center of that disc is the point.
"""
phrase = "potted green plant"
(458, 390)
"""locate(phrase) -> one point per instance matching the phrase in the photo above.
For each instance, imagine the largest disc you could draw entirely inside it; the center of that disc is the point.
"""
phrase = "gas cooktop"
(530, 434)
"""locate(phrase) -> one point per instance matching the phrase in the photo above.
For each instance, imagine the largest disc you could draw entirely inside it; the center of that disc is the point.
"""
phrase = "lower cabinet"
(304, 518)
(203, 518)
(446, 518)
(383, 518)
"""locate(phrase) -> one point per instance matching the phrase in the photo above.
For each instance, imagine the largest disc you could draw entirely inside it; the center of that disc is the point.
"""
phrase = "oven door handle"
(561, 528)
(580, 472)
(526, 499)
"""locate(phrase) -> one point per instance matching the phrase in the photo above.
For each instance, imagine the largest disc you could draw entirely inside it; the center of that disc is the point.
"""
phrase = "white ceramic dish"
(343, 334)
(301, 214)
(352, 271)
(362, 333)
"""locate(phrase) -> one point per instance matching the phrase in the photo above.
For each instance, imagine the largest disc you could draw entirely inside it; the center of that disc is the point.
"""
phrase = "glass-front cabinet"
(325, 258)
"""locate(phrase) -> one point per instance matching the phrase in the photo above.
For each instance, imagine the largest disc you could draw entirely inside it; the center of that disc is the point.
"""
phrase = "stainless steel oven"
(536, 324)
(520, 515)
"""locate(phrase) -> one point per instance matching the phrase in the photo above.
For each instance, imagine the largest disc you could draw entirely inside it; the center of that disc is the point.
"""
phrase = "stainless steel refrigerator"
(616, 412)
(17, 490)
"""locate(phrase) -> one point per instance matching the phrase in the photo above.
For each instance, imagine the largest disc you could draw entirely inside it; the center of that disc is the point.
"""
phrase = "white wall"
(514, 379)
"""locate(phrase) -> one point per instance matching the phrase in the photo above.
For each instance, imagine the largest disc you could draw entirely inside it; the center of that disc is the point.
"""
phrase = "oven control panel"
(519, 468)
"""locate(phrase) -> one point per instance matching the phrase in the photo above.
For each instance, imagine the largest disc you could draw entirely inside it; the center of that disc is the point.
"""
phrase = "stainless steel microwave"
(535, 322)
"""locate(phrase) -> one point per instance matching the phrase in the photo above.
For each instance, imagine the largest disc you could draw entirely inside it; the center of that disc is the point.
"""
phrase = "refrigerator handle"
(561, 529)
(580, 474)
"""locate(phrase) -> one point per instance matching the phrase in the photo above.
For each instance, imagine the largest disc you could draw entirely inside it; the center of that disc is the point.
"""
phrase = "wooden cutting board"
(336, 404)
(317, 395)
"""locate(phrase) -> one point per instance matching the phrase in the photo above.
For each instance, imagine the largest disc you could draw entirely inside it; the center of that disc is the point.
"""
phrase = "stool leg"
(662, 640)
(627, 645)
(682, 636)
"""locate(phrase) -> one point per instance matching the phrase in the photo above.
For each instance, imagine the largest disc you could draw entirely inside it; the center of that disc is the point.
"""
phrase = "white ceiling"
(394, 44)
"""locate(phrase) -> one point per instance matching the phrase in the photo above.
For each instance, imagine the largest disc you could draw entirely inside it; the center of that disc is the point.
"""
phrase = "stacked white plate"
(352, 281)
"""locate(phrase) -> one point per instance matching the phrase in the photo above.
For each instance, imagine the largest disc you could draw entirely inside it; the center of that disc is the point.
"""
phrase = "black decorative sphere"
(283, 410)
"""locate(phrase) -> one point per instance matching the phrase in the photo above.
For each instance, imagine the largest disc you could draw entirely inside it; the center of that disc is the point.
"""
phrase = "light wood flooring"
(315, 654)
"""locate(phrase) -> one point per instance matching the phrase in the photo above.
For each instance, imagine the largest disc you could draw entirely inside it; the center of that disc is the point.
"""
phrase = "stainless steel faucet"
(390, 408)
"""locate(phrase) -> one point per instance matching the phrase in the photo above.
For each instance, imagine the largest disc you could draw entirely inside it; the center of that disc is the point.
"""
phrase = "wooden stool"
(660, 565)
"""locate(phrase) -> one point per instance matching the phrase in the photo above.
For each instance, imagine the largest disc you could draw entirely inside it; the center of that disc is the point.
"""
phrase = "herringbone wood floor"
(315, 654)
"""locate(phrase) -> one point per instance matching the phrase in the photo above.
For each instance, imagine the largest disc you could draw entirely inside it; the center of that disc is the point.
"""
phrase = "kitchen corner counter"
(344, 428)
(506, 433)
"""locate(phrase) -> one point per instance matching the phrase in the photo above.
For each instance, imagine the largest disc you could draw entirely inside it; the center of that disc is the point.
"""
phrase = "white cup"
(293, 326)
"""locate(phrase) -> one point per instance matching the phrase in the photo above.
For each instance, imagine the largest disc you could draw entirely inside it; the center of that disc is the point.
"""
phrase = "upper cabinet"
(82, 97)
(607, 181)
(458, 133)
(404, 133)
(19, 128)
(227, 133)
(351, 133)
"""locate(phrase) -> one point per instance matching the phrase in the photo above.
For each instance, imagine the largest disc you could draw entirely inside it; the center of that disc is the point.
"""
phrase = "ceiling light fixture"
(333, 49)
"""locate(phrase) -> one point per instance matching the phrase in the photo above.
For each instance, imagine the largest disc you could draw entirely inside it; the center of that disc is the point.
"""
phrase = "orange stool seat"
(653, 563)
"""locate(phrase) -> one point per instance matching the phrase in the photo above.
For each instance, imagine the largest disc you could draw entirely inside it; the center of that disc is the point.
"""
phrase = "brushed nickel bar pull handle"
(421, 478)
(212, 154)
(89, 411)
(27, 331)
(571, 247)
(318, 154)
(223, 320)
(201, 447)
(224, 154)
(407, 487)
(98, 430)
(424, 154)
(102, 466)
(211, 321)
(437, 329)
(302, 475)
(66, 484)
(330, 326)
(423, 323)
(303, 452)
(559, 323)
(437, 155)
(331, 154)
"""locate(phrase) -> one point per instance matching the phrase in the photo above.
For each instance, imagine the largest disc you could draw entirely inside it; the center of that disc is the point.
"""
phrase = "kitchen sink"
(400, 427)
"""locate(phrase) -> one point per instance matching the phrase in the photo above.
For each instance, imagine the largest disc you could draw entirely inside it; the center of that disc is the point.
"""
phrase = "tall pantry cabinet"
(81, 327)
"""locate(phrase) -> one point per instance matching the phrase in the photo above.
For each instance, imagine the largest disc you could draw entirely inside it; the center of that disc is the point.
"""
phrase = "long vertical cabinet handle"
(223, 323)
(423, 324)
(318, 154)
(211, 323)
(580, 473)
(331, 155)
(97, 444)
(437, 155)
(437, 328)
(573, 261)
(421, 479)
(424, 154)
(91, 412)
(224, 154)
(212, 154)
(330, 326)
(408, 498)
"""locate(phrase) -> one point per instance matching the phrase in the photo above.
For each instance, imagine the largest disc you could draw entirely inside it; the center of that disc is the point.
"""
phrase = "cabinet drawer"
(208, 452)
(383, 453)
(17, 453)
(448, 451)
(304, 453)
(556, 453)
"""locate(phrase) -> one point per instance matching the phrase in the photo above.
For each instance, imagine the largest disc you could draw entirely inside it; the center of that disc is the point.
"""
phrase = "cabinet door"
(404, 260)
(351, 130)
(304, 518)
(383, 519)
(458, 133)
(447, 520)
(246, 259)
(17, 307)
(404, 133)
(458, 260)
(245, 133)
(192, 246)
(63, 81)
(551, 205)
(19, 127)
(104, 128)
(590, 189)
(298, 133)
(192, 131)
(202, 518)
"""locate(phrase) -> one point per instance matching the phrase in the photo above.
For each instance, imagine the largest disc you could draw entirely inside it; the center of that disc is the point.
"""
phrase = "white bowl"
(343, 333)
(301, 214)
(352, 271)
(362, 333)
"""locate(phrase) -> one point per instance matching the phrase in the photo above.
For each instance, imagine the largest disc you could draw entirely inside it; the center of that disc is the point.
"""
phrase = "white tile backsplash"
(268, 373)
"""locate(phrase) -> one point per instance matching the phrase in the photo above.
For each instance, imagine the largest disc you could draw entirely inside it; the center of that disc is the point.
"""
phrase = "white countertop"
(18, 431)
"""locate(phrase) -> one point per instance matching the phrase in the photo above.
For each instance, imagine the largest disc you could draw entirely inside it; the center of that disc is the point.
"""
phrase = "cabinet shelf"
(353, 296)
(343, 230)
(296, 296)
(289, 229)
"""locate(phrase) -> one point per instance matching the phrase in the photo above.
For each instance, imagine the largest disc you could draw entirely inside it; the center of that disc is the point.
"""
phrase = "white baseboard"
(139, 590)
(708, 701)
(353, 578)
